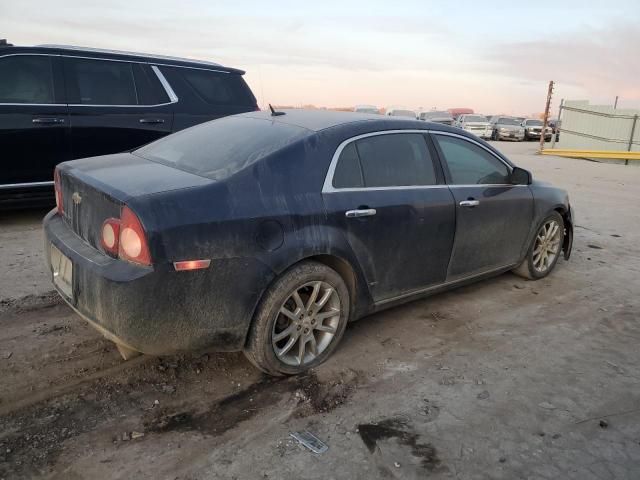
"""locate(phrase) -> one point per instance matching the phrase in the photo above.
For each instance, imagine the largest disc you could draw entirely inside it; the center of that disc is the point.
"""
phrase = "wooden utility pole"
(546, 115)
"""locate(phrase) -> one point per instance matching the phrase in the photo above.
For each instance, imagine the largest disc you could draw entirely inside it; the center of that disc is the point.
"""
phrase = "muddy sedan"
(268, 233)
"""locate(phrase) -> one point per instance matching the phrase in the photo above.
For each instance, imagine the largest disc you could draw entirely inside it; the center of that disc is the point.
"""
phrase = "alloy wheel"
(306, 323)
(547, 246)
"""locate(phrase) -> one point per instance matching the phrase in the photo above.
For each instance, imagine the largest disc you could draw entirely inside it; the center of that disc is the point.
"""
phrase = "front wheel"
(545, 249)
(300, 320)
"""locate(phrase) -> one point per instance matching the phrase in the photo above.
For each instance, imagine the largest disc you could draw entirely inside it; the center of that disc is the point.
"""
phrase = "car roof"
(316, 120)
(73, 50)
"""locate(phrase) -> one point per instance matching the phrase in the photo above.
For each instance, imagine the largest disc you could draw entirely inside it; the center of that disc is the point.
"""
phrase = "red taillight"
(58, 189)
(110, 236)
(132, 239)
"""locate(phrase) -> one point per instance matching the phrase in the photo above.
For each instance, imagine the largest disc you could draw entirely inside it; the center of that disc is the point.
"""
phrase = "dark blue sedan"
(269, 232)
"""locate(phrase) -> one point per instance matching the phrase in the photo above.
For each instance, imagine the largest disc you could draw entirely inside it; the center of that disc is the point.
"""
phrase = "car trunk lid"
(94, 189)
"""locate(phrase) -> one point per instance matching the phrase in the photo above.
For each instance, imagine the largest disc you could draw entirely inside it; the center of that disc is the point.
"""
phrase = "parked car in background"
(268, 234)
(401, 112)
(436, 116)
(59, 103)
(456, 112)
(476, 124)
(366, 109)
(506, 128)
(533, 129)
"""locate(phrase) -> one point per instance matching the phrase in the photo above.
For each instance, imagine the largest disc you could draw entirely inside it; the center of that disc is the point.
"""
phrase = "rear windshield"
(217, 88)
(508, 121)
(222, 147)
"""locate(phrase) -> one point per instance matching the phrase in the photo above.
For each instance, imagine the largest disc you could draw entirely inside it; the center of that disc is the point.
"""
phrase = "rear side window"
(222, 147)
(100, 82)
(348, 173)
(395, 160)
(470, 164)
(218, 88)
(150, 90)
(26, 79)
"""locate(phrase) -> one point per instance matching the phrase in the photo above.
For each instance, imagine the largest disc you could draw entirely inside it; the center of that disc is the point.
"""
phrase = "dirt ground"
(502, 379)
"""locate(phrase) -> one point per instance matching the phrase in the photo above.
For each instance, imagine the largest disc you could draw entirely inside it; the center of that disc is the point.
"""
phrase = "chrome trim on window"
(7, 186)
(173, 98)
(328, 181)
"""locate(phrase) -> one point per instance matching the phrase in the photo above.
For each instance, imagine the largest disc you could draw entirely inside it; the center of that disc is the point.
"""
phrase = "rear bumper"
(155, 310)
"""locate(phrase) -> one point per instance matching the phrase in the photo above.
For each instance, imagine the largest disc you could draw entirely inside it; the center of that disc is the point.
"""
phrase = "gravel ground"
(502, 379)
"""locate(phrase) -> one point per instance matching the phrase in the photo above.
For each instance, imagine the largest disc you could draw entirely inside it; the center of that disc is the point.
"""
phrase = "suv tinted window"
(394, 160)
(100, 82)
(470, 164)
(348, 173)
(26, 79)
(218, 88)
(150, 90)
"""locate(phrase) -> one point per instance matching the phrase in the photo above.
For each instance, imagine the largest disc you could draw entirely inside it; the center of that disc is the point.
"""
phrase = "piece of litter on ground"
(483, 395)
(604, 424)
(547, 406)
(310, 441)
(7, 355)
(135, 435)
(396, 464)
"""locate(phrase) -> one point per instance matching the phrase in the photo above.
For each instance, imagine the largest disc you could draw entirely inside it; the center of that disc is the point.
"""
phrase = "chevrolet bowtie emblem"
(76, 198)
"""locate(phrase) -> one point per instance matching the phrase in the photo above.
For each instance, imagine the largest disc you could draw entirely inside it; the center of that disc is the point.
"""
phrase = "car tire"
(274, 341)
(537, 263)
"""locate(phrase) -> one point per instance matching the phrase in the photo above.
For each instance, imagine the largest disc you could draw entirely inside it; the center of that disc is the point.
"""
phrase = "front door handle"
(151, 120)
(469, 203)
(47, 121)
(361, 212)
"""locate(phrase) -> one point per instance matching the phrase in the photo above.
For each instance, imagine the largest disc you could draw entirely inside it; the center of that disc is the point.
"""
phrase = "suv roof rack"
(131, 54)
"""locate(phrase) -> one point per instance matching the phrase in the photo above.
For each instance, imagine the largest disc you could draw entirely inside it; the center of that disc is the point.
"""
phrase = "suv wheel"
(300, 320)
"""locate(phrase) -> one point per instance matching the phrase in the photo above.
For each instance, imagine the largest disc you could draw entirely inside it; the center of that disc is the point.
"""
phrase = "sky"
(419, 54)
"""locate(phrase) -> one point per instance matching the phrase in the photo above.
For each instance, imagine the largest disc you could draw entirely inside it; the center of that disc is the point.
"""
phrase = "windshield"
(403, 113)
(535, 123)
(222, 147)
(366, 110)
(475, 118)
(508, 121)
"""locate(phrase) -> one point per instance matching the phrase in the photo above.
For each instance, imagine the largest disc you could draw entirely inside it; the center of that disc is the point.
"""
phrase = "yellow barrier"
(612, 154)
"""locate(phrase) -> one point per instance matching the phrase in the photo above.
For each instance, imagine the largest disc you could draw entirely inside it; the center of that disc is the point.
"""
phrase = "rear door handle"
(363, 212)
(47, 121)
(469, 203)
(151, 120)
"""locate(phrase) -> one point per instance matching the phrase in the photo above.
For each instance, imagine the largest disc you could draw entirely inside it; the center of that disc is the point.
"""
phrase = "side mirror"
(520, 176)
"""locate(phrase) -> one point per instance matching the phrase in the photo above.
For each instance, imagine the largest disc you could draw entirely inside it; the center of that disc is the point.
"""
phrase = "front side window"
(100, 82)
(26, 79)
(470, 164)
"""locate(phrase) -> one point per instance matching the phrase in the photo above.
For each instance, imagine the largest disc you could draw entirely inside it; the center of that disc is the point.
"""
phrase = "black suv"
(59, 103)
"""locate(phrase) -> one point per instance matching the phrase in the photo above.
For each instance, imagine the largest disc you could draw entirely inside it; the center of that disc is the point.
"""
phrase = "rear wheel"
(299, 321)
(545, 249)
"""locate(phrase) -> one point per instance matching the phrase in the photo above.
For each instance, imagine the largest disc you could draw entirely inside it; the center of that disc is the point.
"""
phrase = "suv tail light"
(125, 238)
(58, 191)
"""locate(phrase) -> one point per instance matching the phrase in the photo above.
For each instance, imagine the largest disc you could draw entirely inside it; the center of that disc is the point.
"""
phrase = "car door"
(34, 122)
(114, 106)
(385, 193)
(493, 217)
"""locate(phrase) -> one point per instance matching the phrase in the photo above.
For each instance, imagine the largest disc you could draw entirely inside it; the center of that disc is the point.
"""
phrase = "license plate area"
(62, 271)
